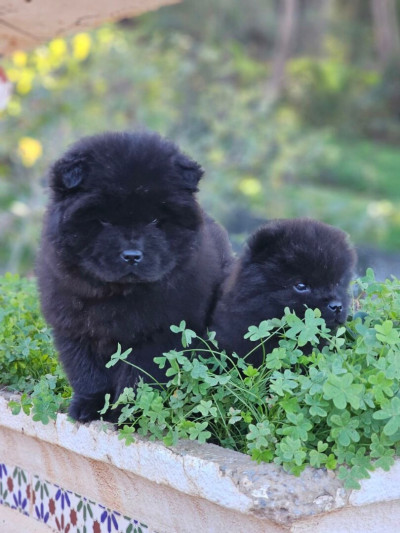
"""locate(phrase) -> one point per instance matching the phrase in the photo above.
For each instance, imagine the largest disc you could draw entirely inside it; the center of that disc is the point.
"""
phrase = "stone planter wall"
(82, 478)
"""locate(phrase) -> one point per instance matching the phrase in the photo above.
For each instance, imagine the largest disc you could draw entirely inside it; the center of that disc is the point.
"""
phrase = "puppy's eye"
(301, 287)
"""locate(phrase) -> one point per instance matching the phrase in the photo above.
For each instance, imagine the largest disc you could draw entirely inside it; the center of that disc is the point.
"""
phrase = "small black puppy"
(126, 252)
(296, 263)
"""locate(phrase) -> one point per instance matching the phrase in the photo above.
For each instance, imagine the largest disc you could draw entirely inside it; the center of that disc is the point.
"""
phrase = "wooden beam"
(28, 23)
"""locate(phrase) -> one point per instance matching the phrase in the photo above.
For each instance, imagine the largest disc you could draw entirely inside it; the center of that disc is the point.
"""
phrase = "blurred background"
(291, 106)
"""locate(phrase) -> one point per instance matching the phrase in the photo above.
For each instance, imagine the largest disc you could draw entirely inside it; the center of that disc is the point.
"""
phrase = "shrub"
(28, 361)
(338, 405)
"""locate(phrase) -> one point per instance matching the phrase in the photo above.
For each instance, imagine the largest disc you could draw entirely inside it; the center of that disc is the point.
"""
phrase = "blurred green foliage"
(27, 352)
(316, 151)
(28, 360)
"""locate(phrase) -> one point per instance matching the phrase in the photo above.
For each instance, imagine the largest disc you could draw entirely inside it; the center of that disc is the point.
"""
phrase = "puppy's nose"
(132, 256)
(335, 306)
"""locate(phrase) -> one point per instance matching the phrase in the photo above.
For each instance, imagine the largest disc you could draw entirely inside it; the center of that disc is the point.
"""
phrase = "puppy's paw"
(86, 408)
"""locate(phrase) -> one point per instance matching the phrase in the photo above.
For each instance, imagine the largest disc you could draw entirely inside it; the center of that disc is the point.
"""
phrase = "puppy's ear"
(263, 243)
(190, 172)
(68, 172)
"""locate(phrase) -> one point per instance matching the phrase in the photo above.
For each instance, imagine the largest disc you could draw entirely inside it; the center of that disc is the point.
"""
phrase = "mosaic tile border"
(60, 509)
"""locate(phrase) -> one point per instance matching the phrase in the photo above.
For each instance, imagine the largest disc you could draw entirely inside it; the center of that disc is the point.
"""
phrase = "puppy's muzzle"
(336, 307)
(132, 256)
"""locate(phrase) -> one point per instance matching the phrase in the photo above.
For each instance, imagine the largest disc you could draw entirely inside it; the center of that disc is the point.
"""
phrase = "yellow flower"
(29, 150)
(19, 58)
(250, 186)
(81, 46)
(58, 48)
(25, 81)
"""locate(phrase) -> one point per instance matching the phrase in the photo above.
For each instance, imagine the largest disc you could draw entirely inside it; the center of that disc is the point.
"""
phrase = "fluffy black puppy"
(296, 263)
(126, 251)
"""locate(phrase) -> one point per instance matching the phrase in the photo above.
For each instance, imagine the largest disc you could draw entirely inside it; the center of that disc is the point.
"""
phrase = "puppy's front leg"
(87, 375)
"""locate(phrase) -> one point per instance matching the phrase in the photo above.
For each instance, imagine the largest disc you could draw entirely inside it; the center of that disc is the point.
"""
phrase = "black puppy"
(126, 252)
(296, 263)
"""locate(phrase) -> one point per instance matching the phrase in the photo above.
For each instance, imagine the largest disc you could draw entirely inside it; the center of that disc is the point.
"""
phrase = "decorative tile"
(15, 489)
(60, 509)
(40, 493)
(85, 514)
(50, 504)
(113, 522)
(4, 488)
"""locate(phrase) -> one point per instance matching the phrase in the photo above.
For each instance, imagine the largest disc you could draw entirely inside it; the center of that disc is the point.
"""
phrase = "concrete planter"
(82, 478)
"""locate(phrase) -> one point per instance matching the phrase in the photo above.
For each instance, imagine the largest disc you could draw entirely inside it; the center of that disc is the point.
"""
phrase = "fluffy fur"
(296, 263)
(126, 251)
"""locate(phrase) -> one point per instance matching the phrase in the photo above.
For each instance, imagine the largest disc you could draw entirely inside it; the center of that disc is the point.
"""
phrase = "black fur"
(296, 263)
(126, 251)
